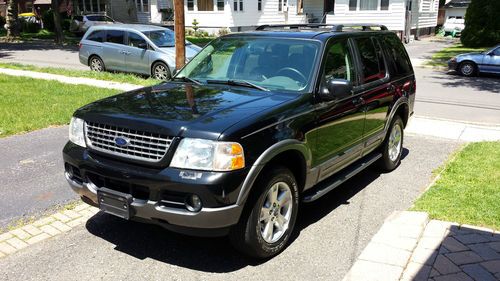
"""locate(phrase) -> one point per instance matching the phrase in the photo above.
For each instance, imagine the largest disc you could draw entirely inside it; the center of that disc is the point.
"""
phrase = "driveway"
(41, 53)
(330, 235)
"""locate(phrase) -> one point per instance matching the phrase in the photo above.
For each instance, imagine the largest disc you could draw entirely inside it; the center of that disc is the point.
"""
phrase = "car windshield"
(271, 63)
(99, 18)
(162, 38)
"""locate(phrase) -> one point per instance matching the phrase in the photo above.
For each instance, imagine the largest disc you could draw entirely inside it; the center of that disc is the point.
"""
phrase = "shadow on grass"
(212, 254)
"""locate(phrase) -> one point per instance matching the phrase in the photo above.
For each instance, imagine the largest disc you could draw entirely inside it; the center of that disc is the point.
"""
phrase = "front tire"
(269, 217)
(392, 149)
(160, 71)
(467, 68)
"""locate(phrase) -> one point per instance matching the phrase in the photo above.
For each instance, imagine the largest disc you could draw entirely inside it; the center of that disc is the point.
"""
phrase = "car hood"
(180, 109)
(470, 54)
(191, 50)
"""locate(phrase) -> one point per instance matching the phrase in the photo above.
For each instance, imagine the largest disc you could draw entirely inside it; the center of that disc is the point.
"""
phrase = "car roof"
(136, 27)
(319, 34)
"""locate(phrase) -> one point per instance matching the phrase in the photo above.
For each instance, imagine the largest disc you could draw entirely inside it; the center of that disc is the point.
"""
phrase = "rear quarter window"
(372, 60)
(397, 55)
(115, 36)
(96, 36)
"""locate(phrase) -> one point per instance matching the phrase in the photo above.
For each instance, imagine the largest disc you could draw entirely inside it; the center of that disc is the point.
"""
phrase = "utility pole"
(180, 34)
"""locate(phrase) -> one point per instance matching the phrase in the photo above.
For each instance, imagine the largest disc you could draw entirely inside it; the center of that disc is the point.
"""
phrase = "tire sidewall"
(467, 63)
(388, 164)
(100, 60)
(166, 67)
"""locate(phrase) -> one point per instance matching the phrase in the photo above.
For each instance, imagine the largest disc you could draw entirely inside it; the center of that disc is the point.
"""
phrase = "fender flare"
(400, 102)
(264, 158)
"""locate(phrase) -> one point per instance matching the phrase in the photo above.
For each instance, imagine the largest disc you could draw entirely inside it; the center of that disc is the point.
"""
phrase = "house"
(456, 9)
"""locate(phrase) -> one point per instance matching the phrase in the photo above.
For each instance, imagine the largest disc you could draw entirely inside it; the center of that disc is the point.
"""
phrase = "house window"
(384, 5)
(259, 5)
(142, 6)
(280, 5)
(220, 5)
(353, 4)
(236, 5)
(205, 5)
(190, 5)
(368, 5)
(241, 5)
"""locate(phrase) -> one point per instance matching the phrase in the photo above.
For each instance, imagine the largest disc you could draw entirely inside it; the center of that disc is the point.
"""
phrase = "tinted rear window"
(397, 55)
(97, 36)
(372, 61)
(115, 36)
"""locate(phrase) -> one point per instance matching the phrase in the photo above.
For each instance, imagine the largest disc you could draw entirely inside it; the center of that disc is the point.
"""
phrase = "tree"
(482, 24)
(12, 24)
(59, 35)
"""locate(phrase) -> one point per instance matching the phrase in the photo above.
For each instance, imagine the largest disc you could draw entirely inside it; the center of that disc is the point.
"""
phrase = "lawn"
(468, 190)
(441, 58)
(28, 104)
(108, 76)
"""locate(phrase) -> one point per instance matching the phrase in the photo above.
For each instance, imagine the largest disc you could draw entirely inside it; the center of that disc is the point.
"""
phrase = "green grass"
(69, 38)
(441, 58)
(28, 104)
(468, 190)
(200, 41)
(107, 76)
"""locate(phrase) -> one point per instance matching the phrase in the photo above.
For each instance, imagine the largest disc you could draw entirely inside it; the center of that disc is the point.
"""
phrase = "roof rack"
(334, 27)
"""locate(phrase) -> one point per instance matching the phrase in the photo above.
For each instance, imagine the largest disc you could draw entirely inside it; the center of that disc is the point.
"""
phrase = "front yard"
(28, 104)
(441, 58)
(468, 190)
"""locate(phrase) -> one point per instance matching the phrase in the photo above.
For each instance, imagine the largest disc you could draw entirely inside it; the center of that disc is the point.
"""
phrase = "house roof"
(458, 4)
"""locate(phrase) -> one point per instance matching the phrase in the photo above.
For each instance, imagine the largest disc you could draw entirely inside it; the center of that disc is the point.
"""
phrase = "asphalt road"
(31, 174)
(331, 233)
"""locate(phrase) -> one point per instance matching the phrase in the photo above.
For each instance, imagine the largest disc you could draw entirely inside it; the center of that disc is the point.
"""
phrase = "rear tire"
(467, 68)
(269, 215)
(160, 71)
(96, 64)
(392, 148)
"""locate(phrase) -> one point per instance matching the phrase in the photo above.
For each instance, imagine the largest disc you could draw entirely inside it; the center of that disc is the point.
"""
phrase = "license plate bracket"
(114, 202)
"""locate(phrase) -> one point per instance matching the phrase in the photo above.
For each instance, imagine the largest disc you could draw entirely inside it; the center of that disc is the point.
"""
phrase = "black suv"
(254, 125)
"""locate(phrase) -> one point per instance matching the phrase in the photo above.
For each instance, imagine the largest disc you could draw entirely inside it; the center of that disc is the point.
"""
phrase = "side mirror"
(336, 89)
(142, 45)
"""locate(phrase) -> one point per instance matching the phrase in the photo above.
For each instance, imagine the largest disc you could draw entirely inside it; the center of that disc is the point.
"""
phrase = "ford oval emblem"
(122, 141)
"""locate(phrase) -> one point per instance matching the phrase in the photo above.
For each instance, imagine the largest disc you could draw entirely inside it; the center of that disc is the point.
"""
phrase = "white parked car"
(454, 26)
(80, 24)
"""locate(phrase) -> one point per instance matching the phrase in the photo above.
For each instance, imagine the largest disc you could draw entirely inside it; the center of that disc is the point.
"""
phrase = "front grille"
(144, 146)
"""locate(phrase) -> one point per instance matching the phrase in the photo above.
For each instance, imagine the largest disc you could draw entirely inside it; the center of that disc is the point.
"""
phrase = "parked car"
(471, 64)
(454, 26)
(255, 124)
(80, 24)
(142, 49)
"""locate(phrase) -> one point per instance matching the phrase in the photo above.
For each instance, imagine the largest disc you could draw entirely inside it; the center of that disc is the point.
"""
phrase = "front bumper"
(452, 65)
(218, 191)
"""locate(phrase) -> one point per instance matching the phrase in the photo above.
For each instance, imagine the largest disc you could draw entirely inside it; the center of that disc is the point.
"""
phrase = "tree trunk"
(59, 36)
(180, 34)
(12, 22)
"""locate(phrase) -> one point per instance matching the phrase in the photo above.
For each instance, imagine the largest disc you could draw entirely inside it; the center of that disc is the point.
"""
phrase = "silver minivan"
(142, 49)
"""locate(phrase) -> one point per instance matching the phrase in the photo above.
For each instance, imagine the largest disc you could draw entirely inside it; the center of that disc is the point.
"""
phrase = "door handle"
(358, 101)
(391, 88)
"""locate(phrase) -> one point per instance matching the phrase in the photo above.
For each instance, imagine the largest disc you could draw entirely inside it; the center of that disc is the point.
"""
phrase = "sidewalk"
(410, 247)
(71, 80)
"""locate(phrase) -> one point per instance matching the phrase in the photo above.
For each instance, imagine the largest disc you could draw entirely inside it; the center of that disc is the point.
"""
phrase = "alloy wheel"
(96, 65)
(161, 72)
(276, 212)
(395, 143)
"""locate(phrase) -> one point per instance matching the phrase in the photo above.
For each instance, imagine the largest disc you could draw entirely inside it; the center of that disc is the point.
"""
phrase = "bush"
(223, 31)
(482, 24)
(48, 20)
(66, 24)
(2, 22)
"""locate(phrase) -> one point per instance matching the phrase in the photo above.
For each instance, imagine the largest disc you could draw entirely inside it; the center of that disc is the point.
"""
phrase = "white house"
(456, 9)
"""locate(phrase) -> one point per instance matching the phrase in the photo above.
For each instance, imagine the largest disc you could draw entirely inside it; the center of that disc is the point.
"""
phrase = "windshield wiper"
(242, 83)
(187, 79)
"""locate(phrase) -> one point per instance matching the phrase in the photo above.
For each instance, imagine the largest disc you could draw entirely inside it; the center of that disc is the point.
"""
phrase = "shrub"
(2, 22)
(48, 20)
(482, 24)
(223, 31)
(66, 24)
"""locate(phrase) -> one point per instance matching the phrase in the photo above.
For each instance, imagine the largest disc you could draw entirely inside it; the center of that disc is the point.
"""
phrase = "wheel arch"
(402, 109)
(93, 55)
(468, 60)
(157, 61)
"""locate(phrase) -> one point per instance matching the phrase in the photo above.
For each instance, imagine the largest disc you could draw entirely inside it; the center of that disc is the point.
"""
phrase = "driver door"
(340, 122)
(137, 58)
(491, 62)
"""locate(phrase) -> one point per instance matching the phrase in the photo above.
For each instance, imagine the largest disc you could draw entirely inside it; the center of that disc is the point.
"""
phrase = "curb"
(44, 228)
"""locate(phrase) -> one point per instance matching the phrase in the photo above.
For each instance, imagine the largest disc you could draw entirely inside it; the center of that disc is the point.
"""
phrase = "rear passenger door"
(114, 55)
(376, 90)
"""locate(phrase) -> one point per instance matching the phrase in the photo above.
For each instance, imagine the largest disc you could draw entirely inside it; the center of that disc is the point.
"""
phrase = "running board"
(337, 179)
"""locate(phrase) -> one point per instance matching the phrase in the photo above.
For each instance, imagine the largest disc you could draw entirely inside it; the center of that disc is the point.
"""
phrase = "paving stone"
(5, 236)
(21, 234)
(368, 271)
(461, 258)
(432, 243)
(38, 238)
(454, 277)
(404, 243)
(443, 250)
(434, 273)
(408, 218)
(7, 248)
(2, 255)
(471, 238)
(497, 276)
(385, 254)
(61, 217)
(60, 226)
(495, 246)
(416, 272)
(17, 243)
(424, 256)
(71, 214)
(478, 272)
(398, 230)
(43, 221)
(485, 252)
(453, 245)
(76, 222)
(50, 230)
(444, 266)
(80, 207)
(32, 230)
(437, 228)
(86, 213)
(492, 266)
(475, 228)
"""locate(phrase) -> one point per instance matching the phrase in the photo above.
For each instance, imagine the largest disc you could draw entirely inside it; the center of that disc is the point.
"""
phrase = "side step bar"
(334, 181)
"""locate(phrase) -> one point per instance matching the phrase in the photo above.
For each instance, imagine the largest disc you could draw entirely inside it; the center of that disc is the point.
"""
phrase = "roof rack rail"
(335, 27)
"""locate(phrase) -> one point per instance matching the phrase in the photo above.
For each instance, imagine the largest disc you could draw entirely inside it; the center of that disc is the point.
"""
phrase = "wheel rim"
(395, 142)
(96, 64)
(467, 69)
(276, 212)
(161, 72)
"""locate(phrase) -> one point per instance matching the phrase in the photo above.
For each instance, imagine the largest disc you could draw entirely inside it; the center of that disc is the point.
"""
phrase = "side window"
(134, 40)
(339, 63)
(497, 52)
(372, 60)
(397, 54)
(97, 36)
(115, 36)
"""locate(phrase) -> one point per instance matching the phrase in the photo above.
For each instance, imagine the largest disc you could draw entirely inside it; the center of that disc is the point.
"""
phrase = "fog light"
(193, 203)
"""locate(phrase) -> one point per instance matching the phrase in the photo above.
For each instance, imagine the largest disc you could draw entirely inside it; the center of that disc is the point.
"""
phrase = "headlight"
(453, 59)
(207, 155)
(76, 132)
